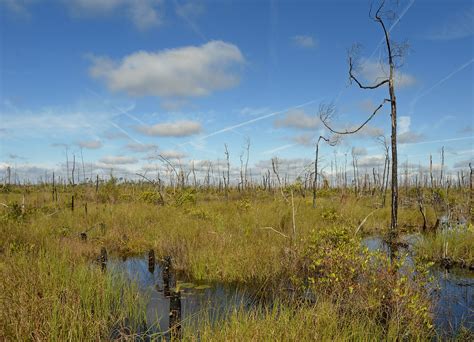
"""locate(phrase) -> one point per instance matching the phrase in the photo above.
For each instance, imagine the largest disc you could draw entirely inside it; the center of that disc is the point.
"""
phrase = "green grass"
(47, 295)
(323, 321)
(456, 244)
(52, 290)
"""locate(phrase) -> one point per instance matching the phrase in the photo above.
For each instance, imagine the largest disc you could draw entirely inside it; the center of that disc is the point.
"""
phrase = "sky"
(116, 83)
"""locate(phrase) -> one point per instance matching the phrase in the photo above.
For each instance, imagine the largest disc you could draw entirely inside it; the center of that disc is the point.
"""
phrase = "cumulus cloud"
(404, 123)
(409, 137)
(404, 135)
(297, 118)
(304, 139)
(371, 131)
(185, 71)
(371, 161)
(144, 14)
(287, 166)
(181, 128)
(304, 41)
(118, 160)
(136, 147)
(359, 151)
(463, 163)
(373, 72)
(90, 144)
(173, 154)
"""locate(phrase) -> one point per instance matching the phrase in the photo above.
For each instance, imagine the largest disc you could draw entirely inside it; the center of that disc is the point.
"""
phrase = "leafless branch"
(327, 111)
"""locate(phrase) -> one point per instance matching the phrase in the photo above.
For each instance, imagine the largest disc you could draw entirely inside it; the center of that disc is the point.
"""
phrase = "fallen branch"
(276, 231)
(363, 221)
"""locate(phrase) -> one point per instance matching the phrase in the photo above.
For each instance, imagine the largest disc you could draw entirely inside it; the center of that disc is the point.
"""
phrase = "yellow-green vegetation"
(50, 295)
(51, 288)
(455, 244)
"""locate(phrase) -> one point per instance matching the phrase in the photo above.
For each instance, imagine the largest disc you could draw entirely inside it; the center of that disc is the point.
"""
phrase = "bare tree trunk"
(73, 167)
(471, 192)
(442, 167)
(315, 181)
(228, 172)
(83, 168)
(431, 172)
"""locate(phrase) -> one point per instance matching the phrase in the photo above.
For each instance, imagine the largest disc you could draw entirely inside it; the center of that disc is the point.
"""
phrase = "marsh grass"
(326, 320)
(52, 290)
(456, 244)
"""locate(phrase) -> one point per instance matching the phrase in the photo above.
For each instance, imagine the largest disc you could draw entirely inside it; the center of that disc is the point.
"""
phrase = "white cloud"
(404, 123)
(304, 41)
(359, 151)
(144, 14)
(181, 128)
(463, 163)
(90, 144)
(185, 71)
(53, 121)
(118, 160)
(173, 154)
(371, 131)
(374, 72)
(371, 161)
(135, 147)
(297, 118)
(409, 137)
(304, 139)
(404, 135)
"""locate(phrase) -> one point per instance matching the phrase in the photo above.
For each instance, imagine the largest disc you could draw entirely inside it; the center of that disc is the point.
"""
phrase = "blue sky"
(125, 80)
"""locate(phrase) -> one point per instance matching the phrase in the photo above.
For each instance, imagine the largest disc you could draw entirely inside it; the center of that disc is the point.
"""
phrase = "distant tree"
(331, 142)
(394, 56)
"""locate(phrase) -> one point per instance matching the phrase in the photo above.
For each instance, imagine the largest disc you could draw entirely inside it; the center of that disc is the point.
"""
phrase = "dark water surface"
(452, 293)
(197, 300)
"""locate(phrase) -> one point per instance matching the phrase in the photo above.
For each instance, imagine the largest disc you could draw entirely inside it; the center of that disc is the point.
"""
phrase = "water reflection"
(173, 305)
(452, 291)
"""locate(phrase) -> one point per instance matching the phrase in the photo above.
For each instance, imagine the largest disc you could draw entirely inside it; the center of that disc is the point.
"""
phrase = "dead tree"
(73, 168)
(471, 192)
(331, 142)
(393, 51)
(442, 167)
(226, 183)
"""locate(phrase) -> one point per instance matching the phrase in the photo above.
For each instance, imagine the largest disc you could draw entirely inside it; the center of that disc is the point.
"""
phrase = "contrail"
(245, 123)
(438, 141)
(460, 68)
(193, 26)
(115, 107)
(284, 147)
(125, 132)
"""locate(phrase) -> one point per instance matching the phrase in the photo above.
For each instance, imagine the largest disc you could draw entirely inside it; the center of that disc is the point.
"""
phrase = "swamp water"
(171, 303)
(452, 292)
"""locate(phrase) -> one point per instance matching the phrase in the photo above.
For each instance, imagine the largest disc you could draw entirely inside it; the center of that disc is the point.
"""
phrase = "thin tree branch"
(352, 77)
(325, 116)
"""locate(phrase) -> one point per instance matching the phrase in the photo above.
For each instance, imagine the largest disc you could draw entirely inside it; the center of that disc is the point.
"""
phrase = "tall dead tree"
(330, 142)
(226, 182)
(394, 51)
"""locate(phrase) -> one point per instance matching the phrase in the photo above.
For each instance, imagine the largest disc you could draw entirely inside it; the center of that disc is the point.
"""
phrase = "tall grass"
(51, 289)
(49, 295)
(456, 244)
